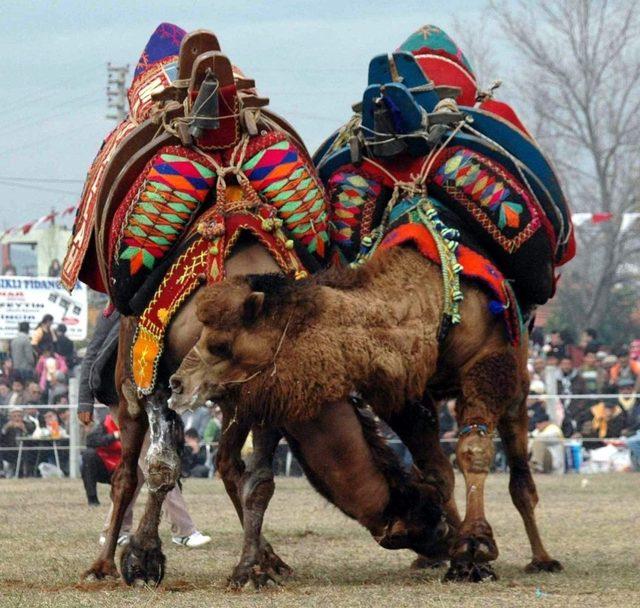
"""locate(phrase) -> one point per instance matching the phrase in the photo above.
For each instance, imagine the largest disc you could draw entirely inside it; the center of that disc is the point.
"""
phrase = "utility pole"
(117, 91)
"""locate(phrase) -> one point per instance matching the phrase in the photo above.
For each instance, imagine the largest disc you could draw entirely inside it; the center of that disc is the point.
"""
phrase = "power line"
(39, 188)
(51, 90)
(68, 133)
(69, 106)
(56, 180)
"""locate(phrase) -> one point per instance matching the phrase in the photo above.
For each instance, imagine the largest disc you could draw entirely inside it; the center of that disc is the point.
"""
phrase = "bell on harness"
(205, 108)
(385, 143)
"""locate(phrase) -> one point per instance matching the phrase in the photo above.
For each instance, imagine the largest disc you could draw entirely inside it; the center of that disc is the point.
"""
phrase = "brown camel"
(340, 451)
(285, 352)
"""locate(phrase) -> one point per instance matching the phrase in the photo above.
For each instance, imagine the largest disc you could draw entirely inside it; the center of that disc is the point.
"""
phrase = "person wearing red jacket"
(101, 457)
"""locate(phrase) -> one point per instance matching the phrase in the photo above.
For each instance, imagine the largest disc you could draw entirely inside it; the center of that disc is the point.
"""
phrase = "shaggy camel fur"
(282, 351)
(370, 484)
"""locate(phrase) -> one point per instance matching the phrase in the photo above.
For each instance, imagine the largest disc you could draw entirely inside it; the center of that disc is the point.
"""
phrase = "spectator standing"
(64, 346)
(214, 427)
(43, 337)
(24, 359)
(54, 268)
(194, 456)
(48, 366)
(197, 419)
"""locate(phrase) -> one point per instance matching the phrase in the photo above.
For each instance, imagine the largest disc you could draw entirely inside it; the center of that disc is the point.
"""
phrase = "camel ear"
(253, 306)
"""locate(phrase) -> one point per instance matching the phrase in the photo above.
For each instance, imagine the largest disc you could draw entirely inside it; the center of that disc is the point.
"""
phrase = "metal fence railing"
(65, 445)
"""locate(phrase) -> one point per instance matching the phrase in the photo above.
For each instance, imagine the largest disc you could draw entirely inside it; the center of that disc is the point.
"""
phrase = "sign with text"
(30, 298)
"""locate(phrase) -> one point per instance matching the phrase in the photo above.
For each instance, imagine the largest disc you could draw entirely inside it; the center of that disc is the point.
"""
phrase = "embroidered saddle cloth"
(424, 126)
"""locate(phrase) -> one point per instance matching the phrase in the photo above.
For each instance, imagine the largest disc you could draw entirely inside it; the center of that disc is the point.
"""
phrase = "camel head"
(243, 322)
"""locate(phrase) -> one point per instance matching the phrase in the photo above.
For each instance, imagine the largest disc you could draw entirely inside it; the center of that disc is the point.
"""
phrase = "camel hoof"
(549, 565)
(466, 572)
(142, 566)
(276, 564)
(258, 577)
(101, 570)
(475, 549)
(422, 562)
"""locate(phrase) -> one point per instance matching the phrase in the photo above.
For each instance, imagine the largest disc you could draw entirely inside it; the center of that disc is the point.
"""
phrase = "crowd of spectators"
(34, 373)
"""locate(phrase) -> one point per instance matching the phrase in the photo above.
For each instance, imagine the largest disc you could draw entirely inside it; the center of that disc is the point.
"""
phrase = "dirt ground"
(48, 536)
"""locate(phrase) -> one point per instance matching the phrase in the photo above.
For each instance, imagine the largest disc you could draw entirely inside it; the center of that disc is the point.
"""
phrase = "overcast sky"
(310, 58)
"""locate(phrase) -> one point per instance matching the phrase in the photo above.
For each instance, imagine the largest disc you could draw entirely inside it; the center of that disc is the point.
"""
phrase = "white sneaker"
(123, 540)
(197, 539)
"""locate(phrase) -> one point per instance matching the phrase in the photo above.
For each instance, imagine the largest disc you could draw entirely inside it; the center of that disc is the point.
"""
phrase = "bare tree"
(580, 72)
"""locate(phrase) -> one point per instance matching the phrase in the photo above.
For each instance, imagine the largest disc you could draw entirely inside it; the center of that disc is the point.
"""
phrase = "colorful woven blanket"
(425, 127)
(177, 184)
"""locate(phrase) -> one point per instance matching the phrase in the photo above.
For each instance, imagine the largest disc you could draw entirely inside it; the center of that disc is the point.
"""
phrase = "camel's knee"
(522, 487)
(229, 466)
(125, 480)
(163, 468)
(258, 488)
(475, 452)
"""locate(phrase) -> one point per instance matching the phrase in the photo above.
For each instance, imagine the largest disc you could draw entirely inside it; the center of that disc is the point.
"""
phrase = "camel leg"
(418, 428)
(490, 385)
(229, 464)
(231, 468)
(514, 434)
(258, 562)
(142, 561)
(123, 486)
(351, 466)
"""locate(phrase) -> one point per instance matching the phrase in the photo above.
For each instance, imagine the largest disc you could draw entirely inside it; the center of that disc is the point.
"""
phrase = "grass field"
(48, 536)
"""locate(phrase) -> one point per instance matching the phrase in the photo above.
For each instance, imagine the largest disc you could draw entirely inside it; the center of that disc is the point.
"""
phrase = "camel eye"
(221, 350)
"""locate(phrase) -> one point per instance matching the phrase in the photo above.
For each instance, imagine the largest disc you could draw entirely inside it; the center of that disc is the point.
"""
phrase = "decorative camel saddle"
(198, 162)
(429, 159)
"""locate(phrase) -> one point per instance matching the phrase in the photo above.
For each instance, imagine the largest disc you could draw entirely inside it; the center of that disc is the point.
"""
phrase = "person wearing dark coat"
(101, 457)
(22, 353)
(98, 366)
(65, 347)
